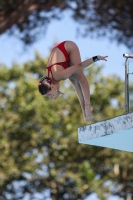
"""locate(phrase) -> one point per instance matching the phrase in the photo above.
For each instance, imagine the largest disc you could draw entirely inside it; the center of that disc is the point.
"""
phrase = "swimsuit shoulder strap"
(49, 70)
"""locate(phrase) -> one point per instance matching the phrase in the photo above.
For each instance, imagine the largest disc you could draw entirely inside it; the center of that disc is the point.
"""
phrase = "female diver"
(65, 62)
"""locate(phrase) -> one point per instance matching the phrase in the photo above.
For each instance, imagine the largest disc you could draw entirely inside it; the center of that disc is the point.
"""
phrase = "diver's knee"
(73, 79)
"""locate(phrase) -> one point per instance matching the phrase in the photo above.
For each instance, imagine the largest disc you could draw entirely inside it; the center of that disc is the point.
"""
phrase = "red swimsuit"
(64, 64)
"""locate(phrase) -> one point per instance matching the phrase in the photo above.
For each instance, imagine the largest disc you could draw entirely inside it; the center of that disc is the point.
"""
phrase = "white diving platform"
(115, 133)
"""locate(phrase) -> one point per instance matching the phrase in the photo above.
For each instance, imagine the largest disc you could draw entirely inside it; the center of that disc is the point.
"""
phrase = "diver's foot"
(88, 112)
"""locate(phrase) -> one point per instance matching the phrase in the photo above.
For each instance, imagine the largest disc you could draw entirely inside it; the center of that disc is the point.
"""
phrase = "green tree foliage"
(39, 151)
(26, 19)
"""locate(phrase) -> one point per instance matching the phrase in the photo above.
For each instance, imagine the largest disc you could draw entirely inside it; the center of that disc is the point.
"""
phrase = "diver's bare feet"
(88, 112)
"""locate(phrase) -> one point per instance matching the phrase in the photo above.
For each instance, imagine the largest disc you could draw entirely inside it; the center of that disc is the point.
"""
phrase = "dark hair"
(44, 85)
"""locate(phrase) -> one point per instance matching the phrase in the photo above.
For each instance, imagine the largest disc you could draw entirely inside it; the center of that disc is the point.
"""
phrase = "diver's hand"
(57, 94)
(102, 57)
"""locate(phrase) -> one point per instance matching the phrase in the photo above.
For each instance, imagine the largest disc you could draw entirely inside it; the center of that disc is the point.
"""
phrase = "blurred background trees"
(27, 19)
(40, 157)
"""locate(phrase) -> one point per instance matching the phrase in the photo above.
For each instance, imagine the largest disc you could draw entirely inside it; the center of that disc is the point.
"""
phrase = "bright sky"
(11, 50)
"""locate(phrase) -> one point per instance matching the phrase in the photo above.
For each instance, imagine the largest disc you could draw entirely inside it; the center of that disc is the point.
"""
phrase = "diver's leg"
(79, 93)
(75, 58)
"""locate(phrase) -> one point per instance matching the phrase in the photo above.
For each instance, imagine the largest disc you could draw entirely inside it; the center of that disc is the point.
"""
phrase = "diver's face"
(53, 92)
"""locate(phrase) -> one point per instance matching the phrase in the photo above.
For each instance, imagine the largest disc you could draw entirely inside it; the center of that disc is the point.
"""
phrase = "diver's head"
(44, 85)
